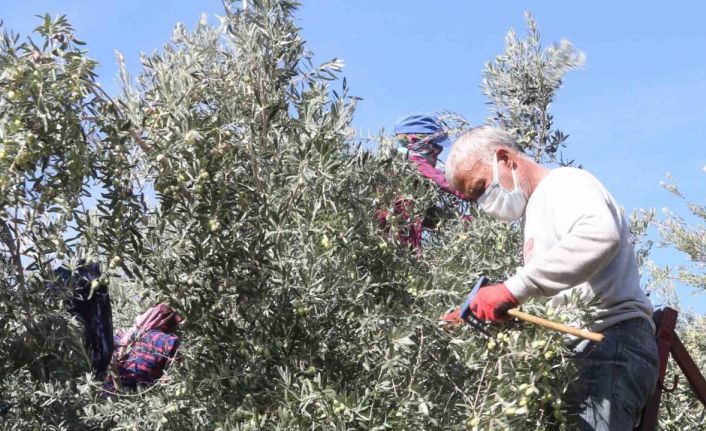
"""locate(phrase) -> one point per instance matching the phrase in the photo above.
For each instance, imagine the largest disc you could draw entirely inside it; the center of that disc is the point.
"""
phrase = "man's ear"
(504, 157)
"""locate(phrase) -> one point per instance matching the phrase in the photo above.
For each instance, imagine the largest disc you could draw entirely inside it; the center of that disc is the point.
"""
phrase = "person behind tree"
(146, 350)
(576, 241)
(421, 138)
(89, 301)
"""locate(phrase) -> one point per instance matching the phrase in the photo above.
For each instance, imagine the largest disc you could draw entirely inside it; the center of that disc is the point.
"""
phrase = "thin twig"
(419, 361)
(14, 253)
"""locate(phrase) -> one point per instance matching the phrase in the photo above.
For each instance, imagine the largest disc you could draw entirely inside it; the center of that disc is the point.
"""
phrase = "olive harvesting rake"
(470, 318)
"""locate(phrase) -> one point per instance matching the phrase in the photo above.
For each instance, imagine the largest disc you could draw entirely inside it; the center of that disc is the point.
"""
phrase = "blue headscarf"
(422, 134)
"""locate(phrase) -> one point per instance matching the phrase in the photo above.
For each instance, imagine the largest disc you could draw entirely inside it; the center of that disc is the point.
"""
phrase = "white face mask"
(502, 204)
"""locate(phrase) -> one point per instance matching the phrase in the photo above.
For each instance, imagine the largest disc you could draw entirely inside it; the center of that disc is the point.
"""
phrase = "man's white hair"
(479, 143)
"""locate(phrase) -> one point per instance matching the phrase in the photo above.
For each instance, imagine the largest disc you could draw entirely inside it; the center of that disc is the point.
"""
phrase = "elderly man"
(576, 240)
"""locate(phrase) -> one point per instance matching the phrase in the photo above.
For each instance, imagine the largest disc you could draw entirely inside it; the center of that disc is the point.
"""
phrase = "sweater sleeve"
(427, 170)
(588, 228)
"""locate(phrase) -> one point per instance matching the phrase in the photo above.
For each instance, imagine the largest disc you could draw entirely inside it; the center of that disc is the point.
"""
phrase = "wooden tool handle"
(582, 333)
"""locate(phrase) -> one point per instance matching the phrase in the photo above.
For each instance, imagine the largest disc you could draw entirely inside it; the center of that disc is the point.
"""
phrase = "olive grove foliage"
(521, 84)
(60, 136)
(682, 410)
(300, 311)
(691, 240)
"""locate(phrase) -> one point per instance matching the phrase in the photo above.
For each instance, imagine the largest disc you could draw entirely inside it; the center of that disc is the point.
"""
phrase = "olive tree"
(60, 138)
(681, 408)
(300, 310)
(521, 84)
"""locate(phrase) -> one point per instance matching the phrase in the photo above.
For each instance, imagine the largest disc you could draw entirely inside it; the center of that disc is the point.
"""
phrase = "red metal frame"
(668, 342)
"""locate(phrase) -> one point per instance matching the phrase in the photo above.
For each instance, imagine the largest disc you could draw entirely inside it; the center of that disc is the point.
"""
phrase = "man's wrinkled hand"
(492, 303)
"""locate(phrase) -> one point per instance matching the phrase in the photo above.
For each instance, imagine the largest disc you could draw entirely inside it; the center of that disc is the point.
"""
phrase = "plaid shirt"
(147, 359)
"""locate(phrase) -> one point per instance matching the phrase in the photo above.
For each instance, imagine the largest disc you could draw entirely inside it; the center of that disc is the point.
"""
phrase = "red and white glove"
(492, 303)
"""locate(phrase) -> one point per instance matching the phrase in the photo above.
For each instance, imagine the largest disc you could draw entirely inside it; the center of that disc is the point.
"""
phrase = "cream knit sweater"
(577, 240)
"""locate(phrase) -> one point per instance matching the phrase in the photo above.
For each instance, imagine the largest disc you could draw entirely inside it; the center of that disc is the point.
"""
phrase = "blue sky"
(635, 112)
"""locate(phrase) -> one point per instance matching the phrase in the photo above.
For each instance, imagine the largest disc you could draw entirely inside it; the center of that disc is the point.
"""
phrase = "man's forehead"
(475, 177)
(475, 168)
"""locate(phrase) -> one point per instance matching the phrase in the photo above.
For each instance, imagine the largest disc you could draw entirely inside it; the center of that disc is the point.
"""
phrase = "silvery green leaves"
(521, 84)
(302, 311)
(61, 150)
(683, 233)
(688, 239)
(61, 154)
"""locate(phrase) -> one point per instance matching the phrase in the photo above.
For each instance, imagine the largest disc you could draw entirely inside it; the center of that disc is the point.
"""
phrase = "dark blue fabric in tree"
(92, 309)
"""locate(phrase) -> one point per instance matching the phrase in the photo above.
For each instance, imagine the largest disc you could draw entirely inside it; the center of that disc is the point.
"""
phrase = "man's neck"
(535, 175)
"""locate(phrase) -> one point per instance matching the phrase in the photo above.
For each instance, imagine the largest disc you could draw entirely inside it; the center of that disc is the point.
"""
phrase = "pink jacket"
(411, 236)
(426, 169)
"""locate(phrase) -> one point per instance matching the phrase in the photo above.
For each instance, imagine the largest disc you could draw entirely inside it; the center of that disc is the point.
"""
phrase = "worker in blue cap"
(422, 138)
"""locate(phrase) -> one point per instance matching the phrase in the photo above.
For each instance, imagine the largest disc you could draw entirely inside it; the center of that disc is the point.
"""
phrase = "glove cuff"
(518, 289)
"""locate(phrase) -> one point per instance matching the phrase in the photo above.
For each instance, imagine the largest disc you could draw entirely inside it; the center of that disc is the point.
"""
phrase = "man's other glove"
(493, 302)
(453, 317)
